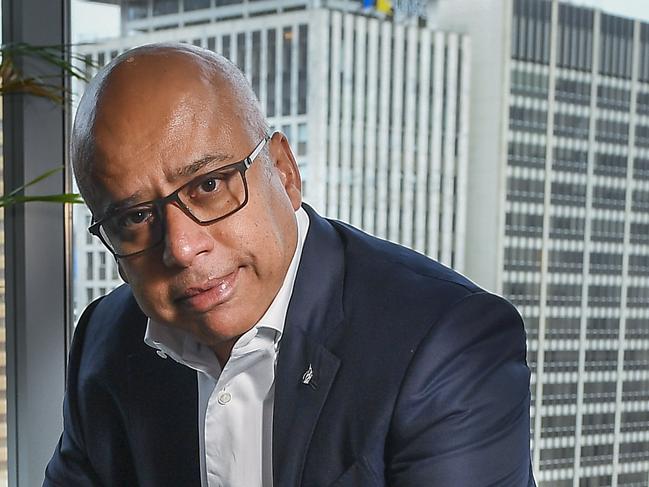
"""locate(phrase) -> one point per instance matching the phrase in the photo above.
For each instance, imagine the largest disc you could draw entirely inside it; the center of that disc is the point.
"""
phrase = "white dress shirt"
(235, 405)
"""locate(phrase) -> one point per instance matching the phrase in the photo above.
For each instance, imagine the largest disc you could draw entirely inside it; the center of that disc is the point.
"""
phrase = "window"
(189, 5)
(164, 7)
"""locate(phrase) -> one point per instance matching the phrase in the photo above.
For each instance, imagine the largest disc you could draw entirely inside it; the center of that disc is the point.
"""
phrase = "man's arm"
(69, 466)
(462, 416)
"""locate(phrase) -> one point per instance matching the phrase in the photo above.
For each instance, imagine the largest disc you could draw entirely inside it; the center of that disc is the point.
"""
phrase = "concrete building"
(377, 112)
(558, 220)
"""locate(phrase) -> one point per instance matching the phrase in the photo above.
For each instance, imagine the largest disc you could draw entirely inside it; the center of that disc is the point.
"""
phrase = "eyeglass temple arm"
(255, 153)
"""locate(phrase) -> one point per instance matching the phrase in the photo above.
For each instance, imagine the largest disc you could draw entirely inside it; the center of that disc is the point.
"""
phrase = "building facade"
(559, 192)
(376, 110)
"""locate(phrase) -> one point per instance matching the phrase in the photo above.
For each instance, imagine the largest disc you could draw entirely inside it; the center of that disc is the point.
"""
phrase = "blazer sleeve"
(69, 466)
(462, 415)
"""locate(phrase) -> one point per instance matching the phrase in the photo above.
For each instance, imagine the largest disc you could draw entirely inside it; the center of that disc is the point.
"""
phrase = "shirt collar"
(183, 348)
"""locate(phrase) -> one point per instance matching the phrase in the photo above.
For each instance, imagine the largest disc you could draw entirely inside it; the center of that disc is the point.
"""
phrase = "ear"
(286, 166)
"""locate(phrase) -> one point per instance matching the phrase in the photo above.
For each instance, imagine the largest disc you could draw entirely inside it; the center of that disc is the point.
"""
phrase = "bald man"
(255, 342)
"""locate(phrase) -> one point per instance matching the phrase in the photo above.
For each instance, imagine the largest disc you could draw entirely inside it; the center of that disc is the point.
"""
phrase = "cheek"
(150, 290)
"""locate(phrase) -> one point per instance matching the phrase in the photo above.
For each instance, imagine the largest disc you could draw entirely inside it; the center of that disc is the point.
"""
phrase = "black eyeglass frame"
(159, 203)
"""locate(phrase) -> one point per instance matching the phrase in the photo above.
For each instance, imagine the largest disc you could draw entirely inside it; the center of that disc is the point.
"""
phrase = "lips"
(210, 294)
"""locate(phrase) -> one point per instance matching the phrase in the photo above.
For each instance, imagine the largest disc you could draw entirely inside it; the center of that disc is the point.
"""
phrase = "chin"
(216, 327)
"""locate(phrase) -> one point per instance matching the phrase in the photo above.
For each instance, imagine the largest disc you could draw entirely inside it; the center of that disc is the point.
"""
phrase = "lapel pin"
(308, 375)
(308, 379)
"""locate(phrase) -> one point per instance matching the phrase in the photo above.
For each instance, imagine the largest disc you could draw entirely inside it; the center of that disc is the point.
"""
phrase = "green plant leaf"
(37, 179)
(14, 197)
(47, 198)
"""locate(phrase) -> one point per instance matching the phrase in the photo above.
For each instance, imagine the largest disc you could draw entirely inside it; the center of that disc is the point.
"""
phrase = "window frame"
(37, 250)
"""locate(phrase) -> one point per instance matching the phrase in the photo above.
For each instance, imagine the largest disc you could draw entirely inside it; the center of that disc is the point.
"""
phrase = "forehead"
(142, 154)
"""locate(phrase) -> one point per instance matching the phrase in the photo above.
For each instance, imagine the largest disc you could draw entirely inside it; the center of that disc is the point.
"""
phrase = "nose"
(185, 239)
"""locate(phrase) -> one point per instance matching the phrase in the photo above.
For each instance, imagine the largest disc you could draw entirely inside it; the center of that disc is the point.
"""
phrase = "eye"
(210, 184)
(135, 217)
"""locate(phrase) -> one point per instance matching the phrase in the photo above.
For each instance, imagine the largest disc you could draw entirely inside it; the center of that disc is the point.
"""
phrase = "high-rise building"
(377, 112)
(558, 220)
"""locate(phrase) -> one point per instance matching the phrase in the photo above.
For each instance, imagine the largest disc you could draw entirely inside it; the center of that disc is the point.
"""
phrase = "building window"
(613, 98)
(568, 194)
(270, 77)
(574, 126)
(302, 81)
(189, 5)
(137, 9)
(526, 155)
(301, 139)
(165, 7)
(287, 39)
(89, 266)
(572, 91)
(570, 160)
(610, 165)
(528, 119)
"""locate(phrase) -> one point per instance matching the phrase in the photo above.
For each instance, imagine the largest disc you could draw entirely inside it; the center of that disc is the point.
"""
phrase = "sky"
(626, 8)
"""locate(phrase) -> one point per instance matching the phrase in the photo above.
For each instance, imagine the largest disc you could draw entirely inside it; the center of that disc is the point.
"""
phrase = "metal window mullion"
(461, 196)
(448, 161)
(423, 136)
(317, 102)
(334, 116)
(383, 131)
(435, 173)
(346, 121)
(248, 50)
(594, 80)
(396, 136)
(359, 162)
(626, 246)
(369, 179)
(545, 238)
(36, 253)
(408, 151)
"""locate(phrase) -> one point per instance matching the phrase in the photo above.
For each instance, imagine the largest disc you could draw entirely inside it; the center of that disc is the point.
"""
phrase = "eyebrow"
(198, 164)
(185, 171)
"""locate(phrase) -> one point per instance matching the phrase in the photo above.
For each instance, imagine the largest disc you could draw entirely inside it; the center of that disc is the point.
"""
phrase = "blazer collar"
(305, 368)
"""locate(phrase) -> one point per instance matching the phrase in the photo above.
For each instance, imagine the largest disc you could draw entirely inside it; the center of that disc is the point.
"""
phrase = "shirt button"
(224, 398)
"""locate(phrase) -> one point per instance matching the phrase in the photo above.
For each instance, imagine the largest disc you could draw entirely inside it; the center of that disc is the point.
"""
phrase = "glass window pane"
(189, 5)
(164, 7)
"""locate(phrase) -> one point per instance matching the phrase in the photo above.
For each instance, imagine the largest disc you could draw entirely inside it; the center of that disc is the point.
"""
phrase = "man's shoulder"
(383, 266)
(392, 291)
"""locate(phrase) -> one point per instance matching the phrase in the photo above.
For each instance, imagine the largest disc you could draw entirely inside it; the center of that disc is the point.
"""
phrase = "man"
(257, 343)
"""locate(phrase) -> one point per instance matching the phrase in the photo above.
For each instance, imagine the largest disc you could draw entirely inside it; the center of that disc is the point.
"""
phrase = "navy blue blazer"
(420, 379)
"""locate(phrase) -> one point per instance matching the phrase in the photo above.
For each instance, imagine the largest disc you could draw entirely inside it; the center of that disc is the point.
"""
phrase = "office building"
(377, 112)
(558, 220)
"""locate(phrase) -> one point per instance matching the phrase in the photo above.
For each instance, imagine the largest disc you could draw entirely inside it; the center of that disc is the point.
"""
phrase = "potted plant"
(13, 81)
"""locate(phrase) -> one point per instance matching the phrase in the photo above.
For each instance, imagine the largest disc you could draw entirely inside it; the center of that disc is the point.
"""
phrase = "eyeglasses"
(205, 199)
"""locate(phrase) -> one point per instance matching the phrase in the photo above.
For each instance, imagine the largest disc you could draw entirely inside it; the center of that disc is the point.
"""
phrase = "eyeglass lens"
(206, 198)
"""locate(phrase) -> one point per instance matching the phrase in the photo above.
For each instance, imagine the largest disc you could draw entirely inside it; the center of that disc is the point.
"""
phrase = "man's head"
(156, 118)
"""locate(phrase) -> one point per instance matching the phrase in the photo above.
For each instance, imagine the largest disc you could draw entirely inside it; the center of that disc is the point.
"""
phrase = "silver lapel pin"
(308, 375)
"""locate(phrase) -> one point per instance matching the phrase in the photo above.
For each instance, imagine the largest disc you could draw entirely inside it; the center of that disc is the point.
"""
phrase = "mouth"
(210, 294)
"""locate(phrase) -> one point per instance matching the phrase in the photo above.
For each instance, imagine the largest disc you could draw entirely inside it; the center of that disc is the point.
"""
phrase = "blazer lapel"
(306, 369)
